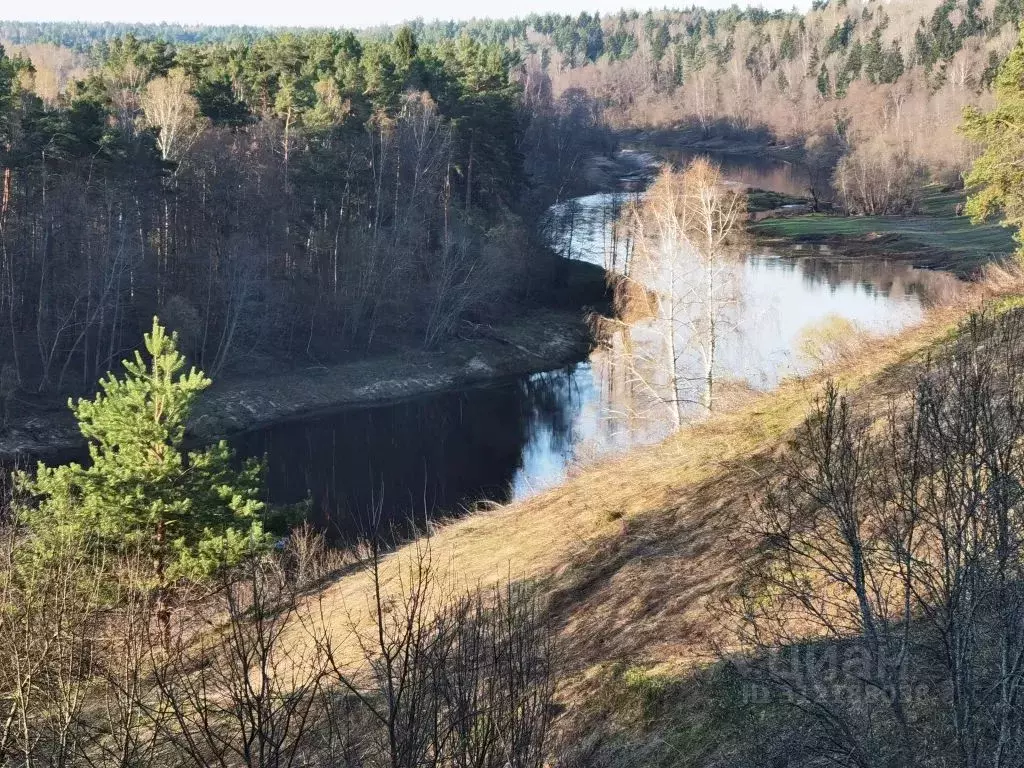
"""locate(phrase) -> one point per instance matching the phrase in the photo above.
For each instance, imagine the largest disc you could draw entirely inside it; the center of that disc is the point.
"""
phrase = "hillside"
(821, 563)
(636, 554)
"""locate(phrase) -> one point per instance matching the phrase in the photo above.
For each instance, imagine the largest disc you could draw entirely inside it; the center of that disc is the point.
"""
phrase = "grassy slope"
(635, 554)
(936, 238)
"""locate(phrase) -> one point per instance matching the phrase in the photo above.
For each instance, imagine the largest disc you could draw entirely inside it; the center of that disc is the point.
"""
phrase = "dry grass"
(637, 553)
(634, 550)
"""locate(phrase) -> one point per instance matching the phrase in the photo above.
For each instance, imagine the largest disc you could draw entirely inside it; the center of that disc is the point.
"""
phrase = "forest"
(312, 198)
(814, 565)
(316, 195)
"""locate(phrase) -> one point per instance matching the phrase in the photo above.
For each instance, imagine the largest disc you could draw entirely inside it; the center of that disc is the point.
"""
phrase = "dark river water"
(441, 454)
(370, 469)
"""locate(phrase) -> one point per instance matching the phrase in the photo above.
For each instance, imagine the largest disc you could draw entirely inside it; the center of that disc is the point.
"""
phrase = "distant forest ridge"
(82, 36)
(583, 37)
(833, 45)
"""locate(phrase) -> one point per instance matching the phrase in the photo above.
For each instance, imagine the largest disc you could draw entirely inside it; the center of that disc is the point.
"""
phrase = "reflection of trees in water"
(751, 170)
(682, 234)
(875, 277)
(630, 370)
(431, 456)
(633, 384)
(426, 458)
(582, 228)
(551, 403)
(653, 372)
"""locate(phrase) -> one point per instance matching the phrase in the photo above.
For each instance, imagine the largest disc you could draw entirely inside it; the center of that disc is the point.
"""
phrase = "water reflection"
(380, 468)
(584, 228)
(442, 453)
(628, 394)
(754, 171)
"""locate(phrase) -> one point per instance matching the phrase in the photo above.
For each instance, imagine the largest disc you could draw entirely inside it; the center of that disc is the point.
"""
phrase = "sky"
(325, 13)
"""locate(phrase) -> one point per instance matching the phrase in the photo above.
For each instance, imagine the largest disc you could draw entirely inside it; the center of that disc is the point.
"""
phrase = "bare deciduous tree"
(877, 178)
(681, 237)
(890, 608)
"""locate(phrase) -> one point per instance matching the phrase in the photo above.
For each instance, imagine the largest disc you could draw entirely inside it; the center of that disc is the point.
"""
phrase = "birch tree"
(682, 233)
(169, 107)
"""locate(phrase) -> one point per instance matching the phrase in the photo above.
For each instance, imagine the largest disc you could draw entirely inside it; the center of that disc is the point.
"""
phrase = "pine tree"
(218, 103)
(814, 62)
(787, 47)
(405, 46)
(855, 62)
(1007, 11)
(660, 38)
(187, 513)
(873, 56)
(998, 175)
(594, 36)
(8, 91)
(840, 37)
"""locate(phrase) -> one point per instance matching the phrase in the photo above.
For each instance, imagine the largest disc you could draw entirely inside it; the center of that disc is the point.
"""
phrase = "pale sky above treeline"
(322, 13)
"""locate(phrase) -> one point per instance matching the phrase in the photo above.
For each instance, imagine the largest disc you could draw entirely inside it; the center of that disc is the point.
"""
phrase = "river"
(442, 454)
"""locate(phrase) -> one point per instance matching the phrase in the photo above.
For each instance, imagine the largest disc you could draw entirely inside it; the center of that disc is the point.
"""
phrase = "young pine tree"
(997, 178)
(187, 512)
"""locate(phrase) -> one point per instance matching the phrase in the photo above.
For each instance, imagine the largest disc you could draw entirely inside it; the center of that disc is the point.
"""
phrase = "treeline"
(882, 84)
(81, 36)
(306, 197)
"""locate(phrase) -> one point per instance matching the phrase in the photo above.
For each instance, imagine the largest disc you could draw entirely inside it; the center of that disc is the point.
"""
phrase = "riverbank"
(626, 170)
(539, 341)
(723, 141)
(937, 238)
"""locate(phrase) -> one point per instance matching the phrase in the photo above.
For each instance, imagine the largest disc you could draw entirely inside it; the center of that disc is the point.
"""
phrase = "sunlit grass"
(630, 549)
(937, 230)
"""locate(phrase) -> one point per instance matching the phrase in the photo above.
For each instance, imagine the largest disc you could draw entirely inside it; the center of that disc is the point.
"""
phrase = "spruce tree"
(892, 65)
(660, 38)
(187, 513)
(874, 58)
(787, 47)
(824, 83)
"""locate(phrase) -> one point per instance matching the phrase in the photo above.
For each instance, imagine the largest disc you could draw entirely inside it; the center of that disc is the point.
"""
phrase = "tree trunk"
(5, 197)
(709, 362)
(163, 607)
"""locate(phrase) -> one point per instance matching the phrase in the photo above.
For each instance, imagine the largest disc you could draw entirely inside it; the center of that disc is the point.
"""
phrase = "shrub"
(878, 178)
